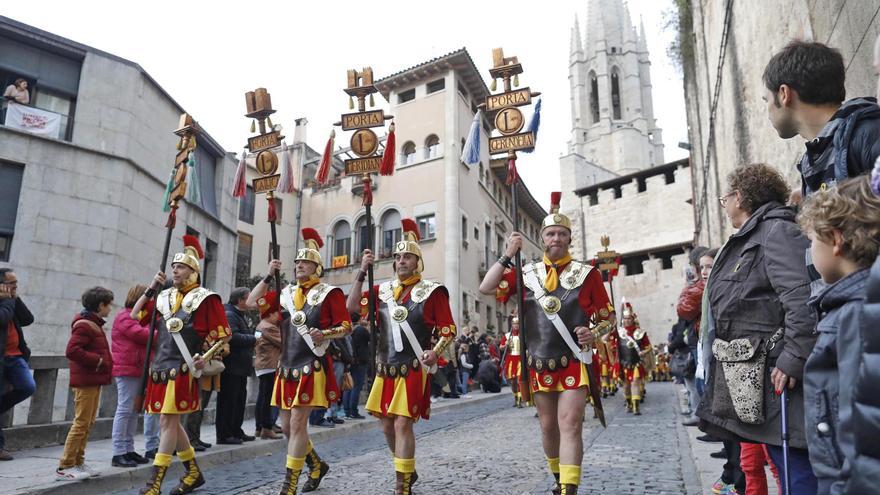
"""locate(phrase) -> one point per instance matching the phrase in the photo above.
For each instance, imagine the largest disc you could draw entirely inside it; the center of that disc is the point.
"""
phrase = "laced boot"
(154, 484)
(403, 485)
(291, 480)
(317, 470)
(556, 487)
(191, 480)
(568, 490)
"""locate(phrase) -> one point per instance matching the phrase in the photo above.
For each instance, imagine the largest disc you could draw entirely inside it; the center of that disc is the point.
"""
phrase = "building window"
(464, 231)
(615, 93)
(594, 198)
(243, 255)
(432, 147)
(594, 97)
(206, 163)
(409, 153)
(10, 189)
(487, 251)
(363, 236)
(246, 206)
(405, 96)
(476, 233)
(341, 244)
(427, 226)
(390, 231)
(473, 107)
(481, 171)
(435, 86)
(209, 268)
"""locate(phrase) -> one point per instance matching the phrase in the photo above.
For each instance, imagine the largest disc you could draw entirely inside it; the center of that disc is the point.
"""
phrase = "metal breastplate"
(544, 341)
(168, 355)
(513, 345)
(627, 349)
(386, 352)
(296, 352)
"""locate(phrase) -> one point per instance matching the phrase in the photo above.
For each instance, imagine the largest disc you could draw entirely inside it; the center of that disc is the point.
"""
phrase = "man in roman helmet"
(512, 365)
(565, 309)
(633, 349)
(192, 321)
(410, 311)
(305, 378)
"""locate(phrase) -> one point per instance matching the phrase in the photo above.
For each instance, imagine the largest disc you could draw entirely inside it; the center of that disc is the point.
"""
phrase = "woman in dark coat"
(759, 285)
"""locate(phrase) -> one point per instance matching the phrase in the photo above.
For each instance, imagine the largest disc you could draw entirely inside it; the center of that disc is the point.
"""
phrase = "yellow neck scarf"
(552, 280)
(178, 300)
(411, 280)
(299, 297)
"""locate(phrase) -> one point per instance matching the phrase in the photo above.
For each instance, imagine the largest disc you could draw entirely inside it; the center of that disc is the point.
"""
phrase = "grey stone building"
(83, 207)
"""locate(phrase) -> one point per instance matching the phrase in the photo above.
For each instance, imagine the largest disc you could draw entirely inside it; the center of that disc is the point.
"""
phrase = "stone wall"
(742, 130)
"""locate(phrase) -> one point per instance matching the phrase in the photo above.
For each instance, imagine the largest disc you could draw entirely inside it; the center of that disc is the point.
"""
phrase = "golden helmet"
(192, 253)
(311, 251)
(555, 219)
(409, 242)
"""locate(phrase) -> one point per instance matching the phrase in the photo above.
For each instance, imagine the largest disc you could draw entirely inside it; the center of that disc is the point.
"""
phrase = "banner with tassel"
(272, 214)
(534, 125)
(387, 167)
(470, 153)
(166, 199)
(239, 185)
(368, 191)
(323, 172)
(194, 193)
(286, 184)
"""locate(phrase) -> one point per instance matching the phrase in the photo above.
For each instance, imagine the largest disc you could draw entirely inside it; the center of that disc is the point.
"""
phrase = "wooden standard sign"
(513, 142)
(368, 165)
(264, 141)
(266, 184)
(363, 120)
(516, 98)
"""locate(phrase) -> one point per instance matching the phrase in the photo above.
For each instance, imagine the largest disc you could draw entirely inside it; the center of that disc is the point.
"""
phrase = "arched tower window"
(615, 93)
(594, 97)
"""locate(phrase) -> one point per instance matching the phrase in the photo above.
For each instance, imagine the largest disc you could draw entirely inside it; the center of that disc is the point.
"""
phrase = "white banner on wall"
(33, 120)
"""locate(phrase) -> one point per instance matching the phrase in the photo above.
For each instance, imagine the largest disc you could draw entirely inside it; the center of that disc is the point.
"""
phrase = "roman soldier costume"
(192, 321)
(305, 370)
(606, 351)
(409, 313)
(512, 366)
(560, 296)
(633, 348)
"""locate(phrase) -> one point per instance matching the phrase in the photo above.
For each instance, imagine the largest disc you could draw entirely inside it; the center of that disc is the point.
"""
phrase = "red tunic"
(644, 343)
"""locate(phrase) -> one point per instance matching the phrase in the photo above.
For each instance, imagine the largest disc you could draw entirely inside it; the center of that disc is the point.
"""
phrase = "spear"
(174, 193)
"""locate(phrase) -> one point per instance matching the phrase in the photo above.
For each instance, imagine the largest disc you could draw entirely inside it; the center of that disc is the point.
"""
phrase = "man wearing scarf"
(634, 348)
(197, 315)
(410, 311)
(302, 382)
(573, 293)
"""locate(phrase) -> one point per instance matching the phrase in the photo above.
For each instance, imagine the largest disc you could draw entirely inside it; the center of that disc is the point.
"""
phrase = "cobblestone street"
(492, 447)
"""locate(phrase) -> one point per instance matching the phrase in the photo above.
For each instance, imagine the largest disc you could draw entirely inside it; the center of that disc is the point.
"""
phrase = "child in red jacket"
(90, 368)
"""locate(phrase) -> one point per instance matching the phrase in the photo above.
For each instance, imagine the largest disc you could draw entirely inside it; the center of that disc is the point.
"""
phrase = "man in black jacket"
(239, 365)
(13, 361)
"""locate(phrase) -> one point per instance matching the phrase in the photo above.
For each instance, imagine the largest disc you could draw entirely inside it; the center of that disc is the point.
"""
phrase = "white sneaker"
(92, 472)
(71, 474)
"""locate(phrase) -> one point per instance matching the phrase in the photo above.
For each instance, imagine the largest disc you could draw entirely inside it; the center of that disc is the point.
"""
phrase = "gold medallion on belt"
(551, 304)
(174, 325)
(399, 314)
(298, 318)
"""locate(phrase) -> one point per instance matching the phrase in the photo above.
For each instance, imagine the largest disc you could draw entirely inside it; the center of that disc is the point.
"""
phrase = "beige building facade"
(464, 212)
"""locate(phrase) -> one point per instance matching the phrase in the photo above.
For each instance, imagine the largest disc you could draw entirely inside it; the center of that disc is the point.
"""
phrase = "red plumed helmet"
(191, 241)
(411, 228)
(310, 234)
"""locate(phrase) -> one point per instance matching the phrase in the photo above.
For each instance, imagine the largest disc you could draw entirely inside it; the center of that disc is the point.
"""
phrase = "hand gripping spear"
(175, 192)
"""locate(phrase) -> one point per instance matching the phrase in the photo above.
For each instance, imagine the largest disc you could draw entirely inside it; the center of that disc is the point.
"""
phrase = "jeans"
(335, 408)
(264, 413)
(86, 402)
(351, 398)
(126, 418)
(800, 472)
(151, 431)
(15, 371)
(693, 395)
(465, 376)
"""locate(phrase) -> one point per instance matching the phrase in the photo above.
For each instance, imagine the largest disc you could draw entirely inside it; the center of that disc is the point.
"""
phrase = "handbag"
(347, 381)
(213, 367)
(682, 363)
(744, 365)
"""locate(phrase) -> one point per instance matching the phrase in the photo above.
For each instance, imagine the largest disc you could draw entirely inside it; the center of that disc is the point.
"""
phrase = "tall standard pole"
(524, 388)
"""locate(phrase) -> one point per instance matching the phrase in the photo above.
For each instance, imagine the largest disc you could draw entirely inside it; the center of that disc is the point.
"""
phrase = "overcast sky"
(207, 54)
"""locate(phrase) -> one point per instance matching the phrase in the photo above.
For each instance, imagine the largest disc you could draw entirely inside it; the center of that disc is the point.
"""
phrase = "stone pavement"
(491, 447)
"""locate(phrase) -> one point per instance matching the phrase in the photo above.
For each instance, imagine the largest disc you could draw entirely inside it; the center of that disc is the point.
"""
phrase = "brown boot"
(268, 434)
(403, 485)
(568, 490)
(154, 484)
(191, 480)
(317, 470)
(291, 480)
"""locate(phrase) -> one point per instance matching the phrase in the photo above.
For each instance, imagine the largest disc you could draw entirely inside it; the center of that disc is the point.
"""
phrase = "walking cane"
(786, 479)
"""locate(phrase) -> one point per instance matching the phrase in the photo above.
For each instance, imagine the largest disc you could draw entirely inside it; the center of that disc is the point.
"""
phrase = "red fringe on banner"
(387, 167)
(511, 172)
(323, 172)
(273, 215)
(368, 192)
(239, 186)
(172, 219)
